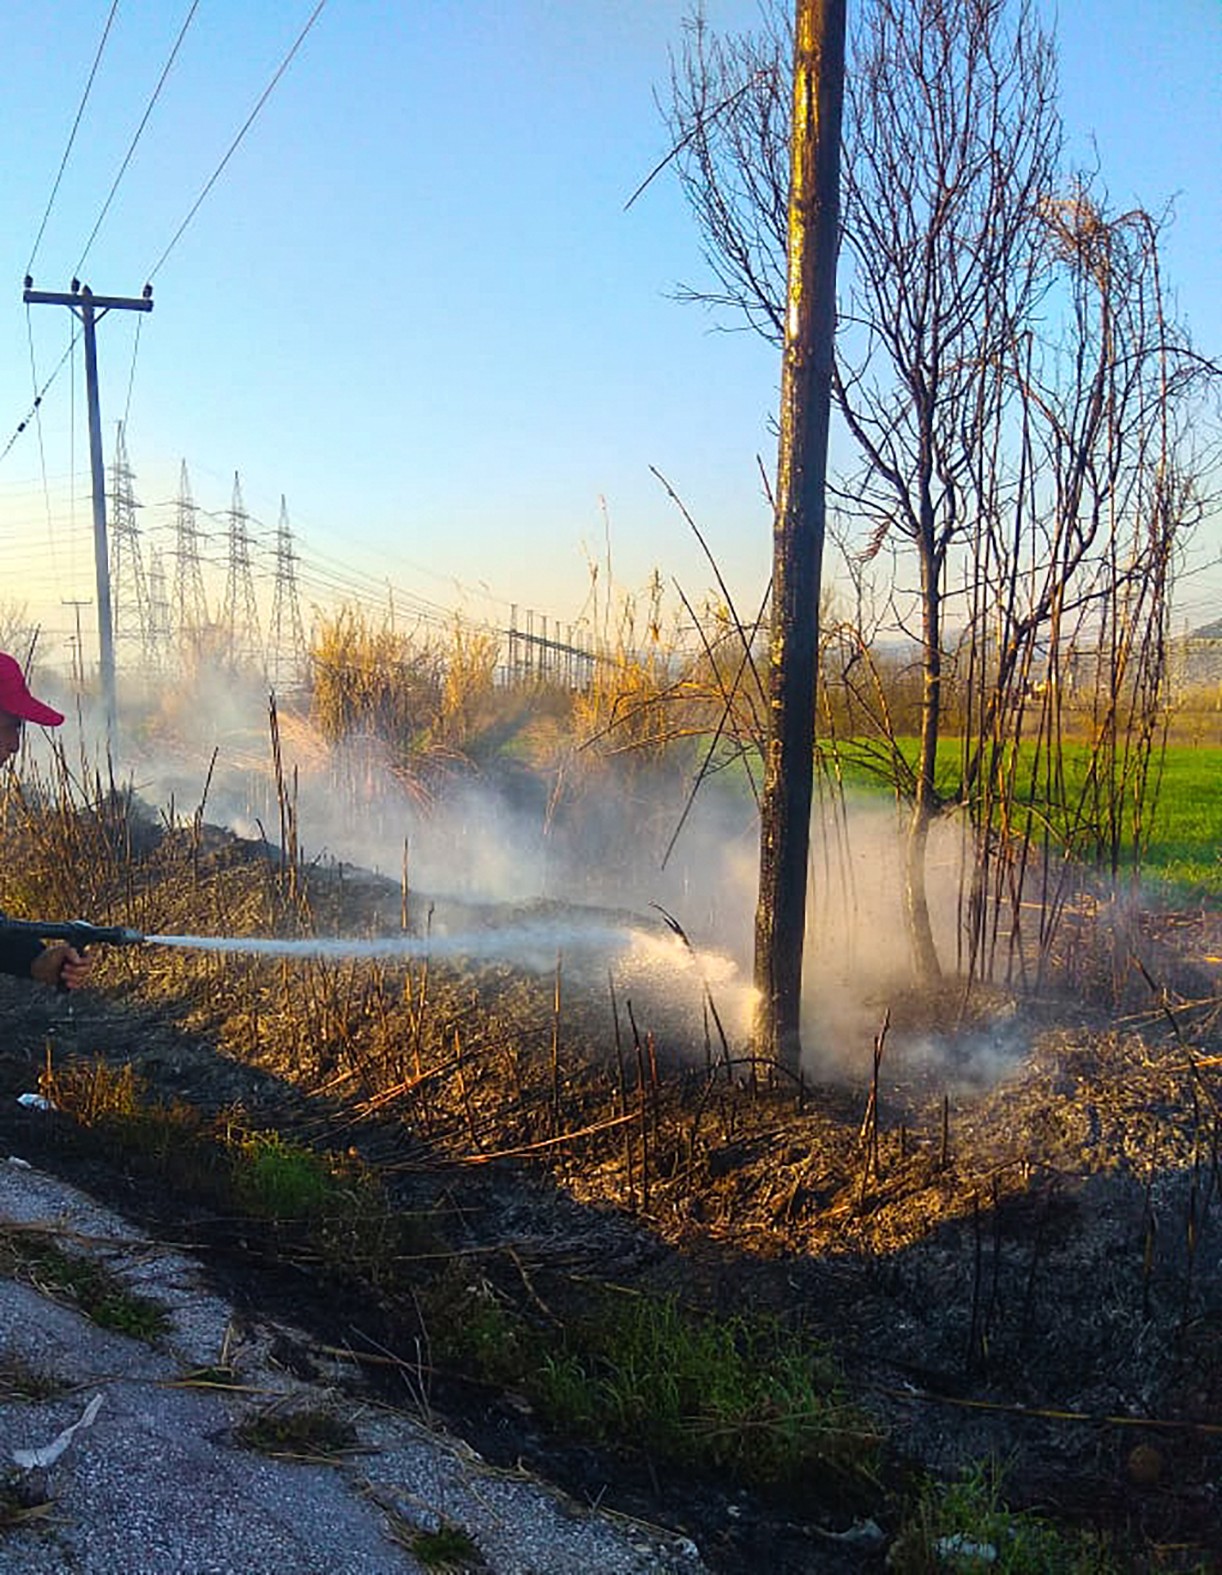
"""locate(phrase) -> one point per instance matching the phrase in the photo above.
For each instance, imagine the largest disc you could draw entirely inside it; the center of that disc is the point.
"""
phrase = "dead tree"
(1068, 618)
(1013, 391)
(954, 109)
(951, 119)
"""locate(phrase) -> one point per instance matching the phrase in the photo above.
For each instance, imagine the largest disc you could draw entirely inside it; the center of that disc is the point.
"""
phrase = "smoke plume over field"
(576, 864)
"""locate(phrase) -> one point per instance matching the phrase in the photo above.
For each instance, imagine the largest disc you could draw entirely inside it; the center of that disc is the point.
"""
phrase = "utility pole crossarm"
(99, 303)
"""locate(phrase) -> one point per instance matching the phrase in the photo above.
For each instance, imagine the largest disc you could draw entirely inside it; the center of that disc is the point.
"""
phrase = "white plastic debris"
(35, 1102)
(861, 1534)
(965, 1553)
(30, 1459)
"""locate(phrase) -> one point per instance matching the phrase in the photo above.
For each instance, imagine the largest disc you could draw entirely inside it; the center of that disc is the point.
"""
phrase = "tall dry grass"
(370, 677)
(415, 691)
(470, 711)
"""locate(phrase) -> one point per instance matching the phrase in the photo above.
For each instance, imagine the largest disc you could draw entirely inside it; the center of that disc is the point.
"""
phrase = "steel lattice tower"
(160, 632)
(190, 605)
(129, 589)
(286, 649)
(240, 614)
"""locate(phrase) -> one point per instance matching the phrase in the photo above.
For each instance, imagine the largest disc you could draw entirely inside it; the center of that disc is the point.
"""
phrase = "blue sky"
(414, 304)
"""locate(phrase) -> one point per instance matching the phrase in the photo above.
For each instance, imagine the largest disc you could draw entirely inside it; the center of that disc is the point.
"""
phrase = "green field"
(1184, 807)
(1186, 843)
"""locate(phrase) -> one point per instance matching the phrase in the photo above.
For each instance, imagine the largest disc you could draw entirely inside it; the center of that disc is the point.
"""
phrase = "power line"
(131, 376)
(40, 395)
(72, 135)
(373, 587)
(42, 452)
(165, 71)
(233, 146)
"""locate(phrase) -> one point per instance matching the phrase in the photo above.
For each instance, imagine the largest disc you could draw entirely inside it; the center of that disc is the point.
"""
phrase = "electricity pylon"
(160, 632)
(286, 649)
(240, 614)
(190, 605)
(129, 588)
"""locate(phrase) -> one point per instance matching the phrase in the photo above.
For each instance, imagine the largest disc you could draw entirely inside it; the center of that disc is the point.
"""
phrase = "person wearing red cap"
(59, 964)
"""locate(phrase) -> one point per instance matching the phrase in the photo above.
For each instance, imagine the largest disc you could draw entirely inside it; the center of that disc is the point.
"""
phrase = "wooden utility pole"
(799, 525)
(87, 308)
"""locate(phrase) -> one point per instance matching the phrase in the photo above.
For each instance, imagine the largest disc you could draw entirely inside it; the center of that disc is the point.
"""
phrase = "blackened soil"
(260, 1269)
(1028, 1271)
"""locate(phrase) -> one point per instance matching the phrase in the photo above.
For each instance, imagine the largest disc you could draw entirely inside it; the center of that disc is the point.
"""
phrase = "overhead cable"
(131, 376)
(40, 394)
(29, 267)
(165, 71)
(233, 146)
(347, 569)
(42, 453)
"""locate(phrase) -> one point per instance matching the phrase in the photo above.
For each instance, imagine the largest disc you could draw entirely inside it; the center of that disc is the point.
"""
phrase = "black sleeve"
(17, 952)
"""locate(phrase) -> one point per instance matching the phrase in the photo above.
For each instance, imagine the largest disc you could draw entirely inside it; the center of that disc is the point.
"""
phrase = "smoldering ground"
(990, 1247)
(572, 868)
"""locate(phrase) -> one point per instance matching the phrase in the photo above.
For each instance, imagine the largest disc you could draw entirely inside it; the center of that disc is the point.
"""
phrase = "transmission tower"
(286, 650)
(189, 611)
(129, 589)
(240, 614)
(160, 632)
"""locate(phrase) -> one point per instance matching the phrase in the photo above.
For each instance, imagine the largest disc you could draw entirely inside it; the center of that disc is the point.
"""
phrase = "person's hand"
(61, 965)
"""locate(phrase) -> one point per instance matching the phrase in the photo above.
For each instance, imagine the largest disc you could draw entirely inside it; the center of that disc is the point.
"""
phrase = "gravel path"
(154, 1479)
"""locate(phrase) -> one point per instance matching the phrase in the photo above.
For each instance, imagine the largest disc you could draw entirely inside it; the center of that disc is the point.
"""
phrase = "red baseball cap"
(16, 699)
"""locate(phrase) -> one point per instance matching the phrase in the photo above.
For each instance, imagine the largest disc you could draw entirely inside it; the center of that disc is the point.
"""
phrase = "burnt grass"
(1025, 1271)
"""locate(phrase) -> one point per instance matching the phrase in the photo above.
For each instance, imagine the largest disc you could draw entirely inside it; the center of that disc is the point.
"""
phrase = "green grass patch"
(280, 1180)
(739, 1394)
(17, 1511)
(308, 1433)
(447, 1548)
(99, 1293)
(209, 1378)
(20, 1381)
(965, 1526)
(1185, 850)
(115, 1099)
(332, 1202)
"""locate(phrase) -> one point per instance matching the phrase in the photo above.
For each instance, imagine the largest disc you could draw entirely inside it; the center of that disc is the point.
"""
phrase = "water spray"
(489, 942)
(647, 949)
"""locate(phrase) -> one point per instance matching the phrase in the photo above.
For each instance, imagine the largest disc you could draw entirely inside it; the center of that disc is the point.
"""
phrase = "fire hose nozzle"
(85, 934)
(77, 932)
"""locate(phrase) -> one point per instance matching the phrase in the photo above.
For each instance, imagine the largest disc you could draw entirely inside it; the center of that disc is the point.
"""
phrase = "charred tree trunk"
(925, 797)
(798, 530)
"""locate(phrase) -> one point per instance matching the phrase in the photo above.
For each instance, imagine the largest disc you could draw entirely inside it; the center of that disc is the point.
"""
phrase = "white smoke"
(502, 841)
